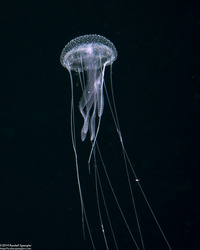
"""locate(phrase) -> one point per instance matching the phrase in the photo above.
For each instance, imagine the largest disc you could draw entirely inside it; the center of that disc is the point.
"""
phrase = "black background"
(156, 80)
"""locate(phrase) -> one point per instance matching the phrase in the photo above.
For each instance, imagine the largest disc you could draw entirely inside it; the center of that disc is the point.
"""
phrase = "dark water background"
(156, 79)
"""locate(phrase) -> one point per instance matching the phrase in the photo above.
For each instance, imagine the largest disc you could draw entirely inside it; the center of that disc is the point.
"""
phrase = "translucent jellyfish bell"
(88, 52)
(89, 55)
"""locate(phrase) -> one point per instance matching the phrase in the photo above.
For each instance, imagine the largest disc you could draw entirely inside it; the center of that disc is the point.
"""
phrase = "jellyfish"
(88, 56)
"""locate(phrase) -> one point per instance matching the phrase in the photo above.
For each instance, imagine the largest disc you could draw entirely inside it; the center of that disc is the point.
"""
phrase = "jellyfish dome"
(88, 52)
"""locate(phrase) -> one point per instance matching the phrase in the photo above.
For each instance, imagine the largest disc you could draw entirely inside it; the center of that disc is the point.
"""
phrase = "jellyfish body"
(89, 54)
